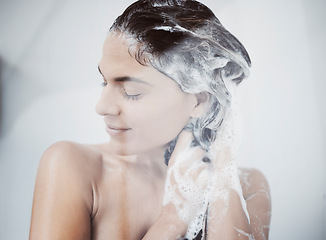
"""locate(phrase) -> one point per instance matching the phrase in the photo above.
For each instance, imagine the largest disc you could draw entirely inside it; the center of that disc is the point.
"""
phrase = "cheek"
(163, 121)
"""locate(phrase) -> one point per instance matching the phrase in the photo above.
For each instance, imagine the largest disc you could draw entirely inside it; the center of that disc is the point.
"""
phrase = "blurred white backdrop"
(49, 51)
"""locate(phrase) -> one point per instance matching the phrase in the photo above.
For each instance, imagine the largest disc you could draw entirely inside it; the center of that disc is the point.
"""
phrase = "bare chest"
(127, 205)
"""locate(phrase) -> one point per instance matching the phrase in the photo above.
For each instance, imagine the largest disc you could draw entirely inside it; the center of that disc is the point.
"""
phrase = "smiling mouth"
(114, 131)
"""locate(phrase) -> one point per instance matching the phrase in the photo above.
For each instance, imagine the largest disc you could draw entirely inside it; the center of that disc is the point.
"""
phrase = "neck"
(152, 161)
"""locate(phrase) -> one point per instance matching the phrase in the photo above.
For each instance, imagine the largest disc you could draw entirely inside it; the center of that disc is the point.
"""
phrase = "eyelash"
(129, 97)
(124, 93)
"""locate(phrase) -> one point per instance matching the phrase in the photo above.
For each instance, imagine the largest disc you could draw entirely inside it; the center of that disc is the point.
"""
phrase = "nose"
(107, 104)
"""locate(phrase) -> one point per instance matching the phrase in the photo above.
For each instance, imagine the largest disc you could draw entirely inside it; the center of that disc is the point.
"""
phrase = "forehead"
(117, 62)
(116, 59)
(116, 48)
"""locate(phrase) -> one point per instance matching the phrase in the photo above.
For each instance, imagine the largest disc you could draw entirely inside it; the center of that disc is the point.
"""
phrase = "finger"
(221, 156)
(182, 145)
(184, 140)
(185, 151)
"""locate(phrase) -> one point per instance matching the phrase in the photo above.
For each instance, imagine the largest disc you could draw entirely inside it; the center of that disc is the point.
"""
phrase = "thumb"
(183, 143)
(184, 147)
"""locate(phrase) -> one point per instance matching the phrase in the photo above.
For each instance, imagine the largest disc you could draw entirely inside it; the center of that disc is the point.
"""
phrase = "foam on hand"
(188, 189)
(192, 186)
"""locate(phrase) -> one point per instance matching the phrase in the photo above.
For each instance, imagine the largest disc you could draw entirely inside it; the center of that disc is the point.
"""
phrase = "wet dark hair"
(184, 40)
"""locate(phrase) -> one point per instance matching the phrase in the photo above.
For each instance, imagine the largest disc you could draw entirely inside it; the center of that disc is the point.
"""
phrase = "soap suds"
(203, 58)
(188, 188)
(249, 236)
(191, 187)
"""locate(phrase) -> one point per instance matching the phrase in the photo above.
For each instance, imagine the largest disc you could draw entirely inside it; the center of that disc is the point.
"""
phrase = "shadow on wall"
(16, 94)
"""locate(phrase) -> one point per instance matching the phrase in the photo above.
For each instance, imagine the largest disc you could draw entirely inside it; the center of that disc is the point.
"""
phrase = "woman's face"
(143, 109)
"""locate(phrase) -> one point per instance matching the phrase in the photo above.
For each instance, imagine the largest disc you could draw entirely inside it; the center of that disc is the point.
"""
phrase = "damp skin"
(261, 230)
(129, 179)
(193, 185)
(200, 63)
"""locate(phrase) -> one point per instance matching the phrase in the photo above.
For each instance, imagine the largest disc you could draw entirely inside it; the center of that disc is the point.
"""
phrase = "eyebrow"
(125, 78)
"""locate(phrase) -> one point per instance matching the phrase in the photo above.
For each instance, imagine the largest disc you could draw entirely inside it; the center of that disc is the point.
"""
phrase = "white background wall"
(49, 51)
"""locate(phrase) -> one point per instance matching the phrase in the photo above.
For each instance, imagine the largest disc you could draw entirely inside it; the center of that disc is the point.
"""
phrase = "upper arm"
(62, 196)
(257, 195)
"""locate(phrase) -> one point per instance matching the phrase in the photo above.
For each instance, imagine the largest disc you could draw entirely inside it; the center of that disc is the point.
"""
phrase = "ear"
(202, 104)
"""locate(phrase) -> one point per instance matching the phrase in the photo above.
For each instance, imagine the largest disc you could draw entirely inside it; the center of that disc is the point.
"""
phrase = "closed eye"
(130, 96)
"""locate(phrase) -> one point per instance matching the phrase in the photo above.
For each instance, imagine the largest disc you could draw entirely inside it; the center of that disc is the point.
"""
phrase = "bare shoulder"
(71, 164)
(256, 192)
(73, 159)
(68, 153)
(252, 181)
(64, 191)
(68, 149)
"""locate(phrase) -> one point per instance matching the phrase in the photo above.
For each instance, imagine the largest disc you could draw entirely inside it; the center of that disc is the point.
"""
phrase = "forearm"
(228, 219)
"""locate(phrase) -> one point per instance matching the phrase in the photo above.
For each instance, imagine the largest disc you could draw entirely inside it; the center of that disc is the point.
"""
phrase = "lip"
(115, 131)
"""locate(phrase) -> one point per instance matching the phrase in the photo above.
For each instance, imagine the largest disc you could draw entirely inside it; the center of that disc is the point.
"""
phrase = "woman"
(168, 170)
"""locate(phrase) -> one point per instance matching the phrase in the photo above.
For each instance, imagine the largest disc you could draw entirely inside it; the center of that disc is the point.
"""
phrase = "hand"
(188, 183)
(201, 183)
(186, 193)
(228, 215)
